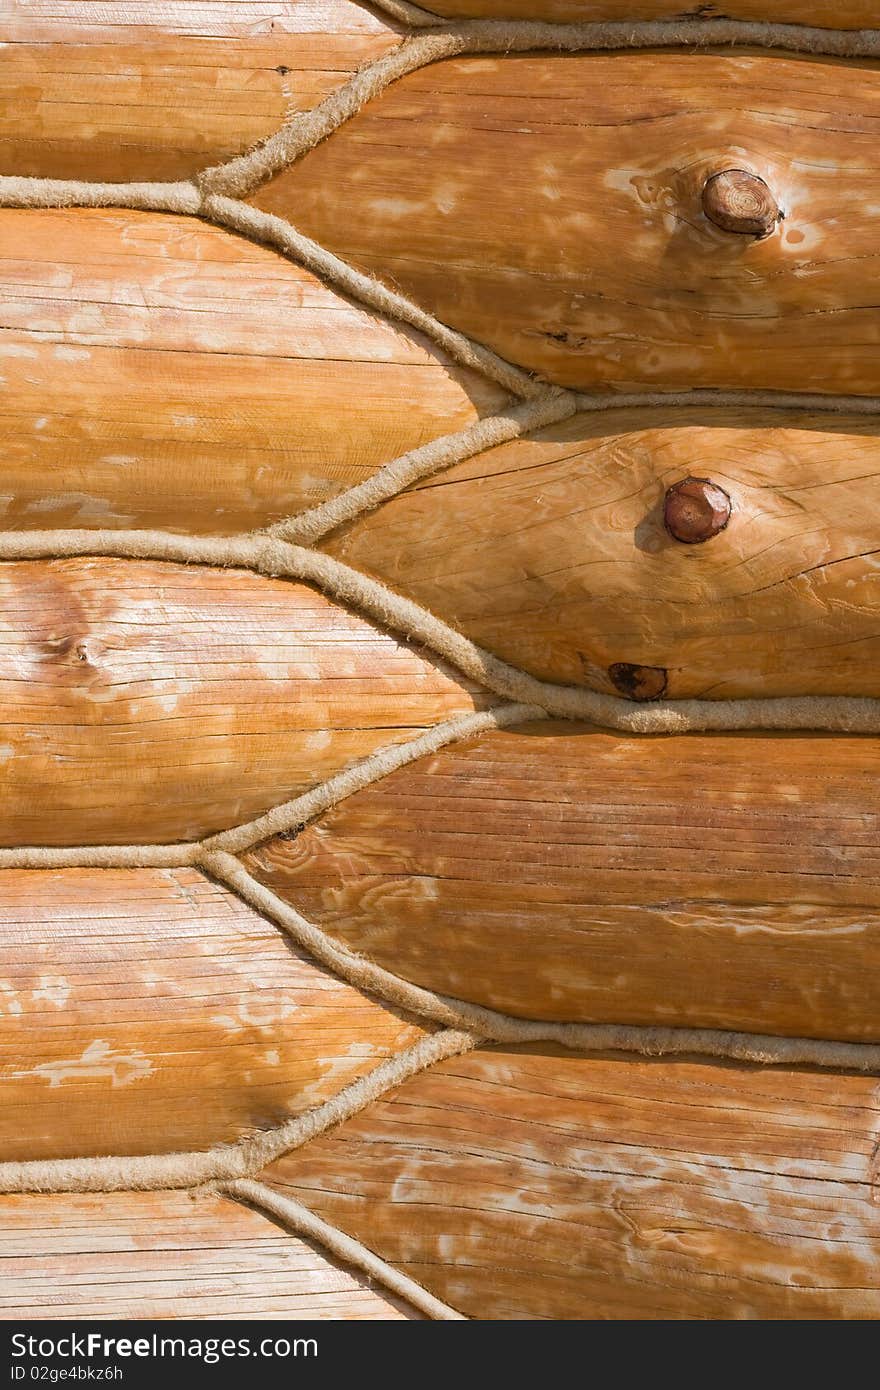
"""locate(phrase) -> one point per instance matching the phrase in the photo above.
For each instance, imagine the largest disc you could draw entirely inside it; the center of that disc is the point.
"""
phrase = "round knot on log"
(695, 510)
(737, 201)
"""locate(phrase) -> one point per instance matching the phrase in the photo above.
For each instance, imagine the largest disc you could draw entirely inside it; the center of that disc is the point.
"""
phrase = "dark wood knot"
(638, 682)
(695, 510)
(737, 201)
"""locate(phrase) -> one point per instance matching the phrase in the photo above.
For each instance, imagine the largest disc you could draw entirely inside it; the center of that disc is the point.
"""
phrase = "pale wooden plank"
(145, 702)
(152, 90)
(161, 372)
(169, 1255)
(147, 1010)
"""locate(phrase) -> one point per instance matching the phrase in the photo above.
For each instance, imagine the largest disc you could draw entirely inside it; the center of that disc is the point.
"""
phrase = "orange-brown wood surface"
(146, 702)
(152, 90)
(148, 1011)
(547, 1185)
(835, 14)
(552, 551)
(551, 206)
(557, 871)
(160, 372)
(654, 219)
(168, 1255)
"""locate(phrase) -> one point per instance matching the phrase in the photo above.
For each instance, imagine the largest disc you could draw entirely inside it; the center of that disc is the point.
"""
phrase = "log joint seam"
(216, 196)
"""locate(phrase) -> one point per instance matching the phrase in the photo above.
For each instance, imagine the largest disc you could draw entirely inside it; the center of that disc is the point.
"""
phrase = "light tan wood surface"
(145, 702)
(168, 1255)
(161, 372)
(542, 1185)
(556, 871)
(835, 14)
(149, 1010)
(552, 551)
(550, 206)
(152, 90)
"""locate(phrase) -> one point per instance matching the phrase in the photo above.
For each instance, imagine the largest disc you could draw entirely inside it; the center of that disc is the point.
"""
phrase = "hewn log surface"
(562, 872)
(641, 219)
(520, 1184)
(597, 265)
(152, 90)
(146, 702)
(553, 553)
(160, 372)
(834, 14)
(147, 1011)
(168, 1255)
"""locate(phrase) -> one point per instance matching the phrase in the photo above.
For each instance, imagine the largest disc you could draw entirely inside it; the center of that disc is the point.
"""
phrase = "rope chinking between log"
(215, 196)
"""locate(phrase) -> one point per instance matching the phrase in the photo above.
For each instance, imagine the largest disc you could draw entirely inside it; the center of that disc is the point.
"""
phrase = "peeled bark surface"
(149, 1011)
(537, 1184)
(550, 206)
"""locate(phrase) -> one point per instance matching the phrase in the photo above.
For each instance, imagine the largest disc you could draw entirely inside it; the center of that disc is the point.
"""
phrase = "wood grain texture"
(148, 1011)
(552, 551)
(596, 266)
(562, 872)
(835, 14)
(151, 702)
(161, 372)
(535, 1185)
(151, 90)
(168, 1255)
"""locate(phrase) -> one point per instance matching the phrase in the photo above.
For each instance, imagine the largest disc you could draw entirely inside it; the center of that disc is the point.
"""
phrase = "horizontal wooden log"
(148, 90)
(168, 1255)
(834, 14)
(554, 552)
(160, 372)
(598, 266)
(540, 1185)
(728, 881)
(144, 702)
(147, 1011)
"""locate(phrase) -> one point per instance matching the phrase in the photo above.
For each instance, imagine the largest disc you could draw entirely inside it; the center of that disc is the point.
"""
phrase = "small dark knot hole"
(638, 682)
